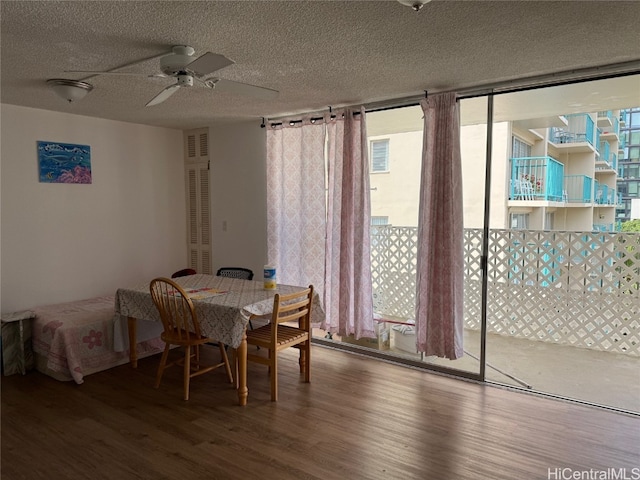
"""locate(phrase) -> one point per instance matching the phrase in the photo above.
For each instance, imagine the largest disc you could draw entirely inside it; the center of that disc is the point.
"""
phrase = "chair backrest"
(292, 307)
(184, 272)
(235, 272)
(176, 310)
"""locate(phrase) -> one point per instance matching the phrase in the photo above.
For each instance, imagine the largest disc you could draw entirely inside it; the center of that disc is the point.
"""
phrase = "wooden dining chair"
(183, 273)
(235, 272)
(181, 327)
(276, 336)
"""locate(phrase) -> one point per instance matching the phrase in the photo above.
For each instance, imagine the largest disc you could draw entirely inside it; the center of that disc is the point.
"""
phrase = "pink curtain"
(440, 287)
(296, 202)
(348, 293)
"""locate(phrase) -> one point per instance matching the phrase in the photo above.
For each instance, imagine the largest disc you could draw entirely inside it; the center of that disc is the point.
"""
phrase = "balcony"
(604, 227)
(554, 298)
(580, 134)
(578, 189)
(609, 124)
(536, 178)
(605, 195)
(606, 160)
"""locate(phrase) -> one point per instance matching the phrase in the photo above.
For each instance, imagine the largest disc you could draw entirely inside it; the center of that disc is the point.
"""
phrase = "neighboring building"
(564, 177)
(629, 164)
(553, 173)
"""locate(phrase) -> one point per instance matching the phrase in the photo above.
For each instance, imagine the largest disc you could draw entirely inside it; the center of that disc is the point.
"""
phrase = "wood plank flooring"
(359, 419)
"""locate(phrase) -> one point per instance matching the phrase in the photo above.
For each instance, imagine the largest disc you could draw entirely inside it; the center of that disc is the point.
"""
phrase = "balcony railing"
(606, 158)
(573, 288)
(578, 189)
(604, 227)
(536, 178)
(580, 128)
(605, 195)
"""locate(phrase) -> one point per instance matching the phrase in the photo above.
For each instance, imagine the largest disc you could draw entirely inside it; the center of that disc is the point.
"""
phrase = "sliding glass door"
(563, 300)
(557, 308)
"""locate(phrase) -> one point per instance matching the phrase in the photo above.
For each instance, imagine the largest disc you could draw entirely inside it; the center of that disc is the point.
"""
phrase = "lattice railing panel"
(574, 288)
(393, 259)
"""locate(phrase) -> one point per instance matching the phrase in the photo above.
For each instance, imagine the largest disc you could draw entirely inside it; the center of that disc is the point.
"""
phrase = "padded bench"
(75, 339)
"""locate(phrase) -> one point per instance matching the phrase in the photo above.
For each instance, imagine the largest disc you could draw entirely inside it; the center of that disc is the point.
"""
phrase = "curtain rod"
(273, 122)
(566, 77)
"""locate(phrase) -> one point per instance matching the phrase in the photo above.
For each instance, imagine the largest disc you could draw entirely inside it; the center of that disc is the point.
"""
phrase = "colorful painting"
(64, 162)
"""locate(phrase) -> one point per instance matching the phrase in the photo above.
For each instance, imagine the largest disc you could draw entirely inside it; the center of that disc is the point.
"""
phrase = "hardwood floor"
(359, 419)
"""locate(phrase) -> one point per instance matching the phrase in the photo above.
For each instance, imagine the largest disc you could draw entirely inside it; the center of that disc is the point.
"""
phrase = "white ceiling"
(316, 53)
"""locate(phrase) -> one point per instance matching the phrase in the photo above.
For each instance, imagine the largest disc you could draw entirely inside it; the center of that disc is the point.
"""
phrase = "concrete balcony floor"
(592, 376)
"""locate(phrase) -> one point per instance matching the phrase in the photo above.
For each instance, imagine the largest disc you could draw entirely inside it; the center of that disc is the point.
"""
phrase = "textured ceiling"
(315, 53)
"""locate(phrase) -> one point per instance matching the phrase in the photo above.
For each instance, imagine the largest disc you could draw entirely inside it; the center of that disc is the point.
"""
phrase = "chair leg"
(163, 362)
(225, 360)
(302, 358)
(307, 363)
(273, 374)
(187, 370)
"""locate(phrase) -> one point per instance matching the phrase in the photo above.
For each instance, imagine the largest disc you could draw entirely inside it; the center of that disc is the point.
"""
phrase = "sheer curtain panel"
(296, 202)
(348, 292)
(440, 268)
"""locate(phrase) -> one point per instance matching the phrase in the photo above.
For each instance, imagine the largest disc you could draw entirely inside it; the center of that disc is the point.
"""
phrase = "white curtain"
(440, 287)
(296, 202)
(348, 292)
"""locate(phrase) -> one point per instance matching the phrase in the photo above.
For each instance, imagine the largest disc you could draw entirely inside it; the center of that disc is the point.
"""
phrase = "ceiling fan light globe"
(70, 90)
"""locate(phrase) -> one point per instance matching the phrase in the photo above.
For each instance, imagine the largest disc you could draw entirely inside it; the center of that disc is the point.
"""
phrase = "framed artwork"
(64, 162)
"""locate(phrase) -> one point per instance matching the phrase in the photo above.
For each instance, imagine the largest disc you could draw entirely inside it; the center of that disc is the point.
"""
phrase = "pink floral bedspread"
(76, 338)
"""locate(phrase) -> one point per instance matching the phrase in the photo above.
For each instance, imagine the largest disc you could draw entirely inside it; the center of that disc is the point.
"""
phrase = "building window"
(622, 188)
(520, 149)
(379, 156)
(519, 221)
(633, 188)
(379, 221)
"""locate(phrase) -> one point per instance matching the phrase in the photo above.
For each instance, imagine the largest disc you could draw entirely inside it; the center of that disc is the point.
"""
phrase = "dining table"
(224, 307)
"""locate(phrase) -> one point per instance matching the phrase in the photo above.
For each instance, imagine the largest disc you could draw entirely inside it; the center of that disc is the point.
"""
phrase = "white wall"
(62, 242)
(238, 196)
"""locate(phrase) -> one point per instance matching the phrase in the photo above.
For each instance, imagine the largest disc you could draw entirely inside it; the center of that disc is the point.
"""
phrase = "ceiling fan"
(188, 71)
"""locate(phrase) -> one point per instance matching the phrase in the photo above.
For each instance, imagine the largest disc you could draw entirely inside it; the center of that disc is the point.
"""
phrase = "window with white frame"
(379, 221)
(519, 221)
(520, 148)
(379, 155)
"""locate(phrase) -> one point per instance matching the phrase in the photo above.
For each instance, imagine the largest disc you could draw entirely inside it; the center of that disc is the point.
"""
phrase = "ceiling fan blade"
(96, 72)
(244, 89)
(163, 95)
(208, 63)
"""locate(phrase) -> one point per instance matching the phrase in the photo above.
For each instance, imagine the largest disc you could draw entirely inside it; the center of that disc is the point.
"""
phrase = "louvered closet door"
(198, 206)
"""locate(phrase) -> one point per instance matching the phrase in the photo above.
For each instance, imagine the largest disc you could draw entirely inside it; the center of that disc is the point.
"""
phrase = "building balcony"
(580, 134)
(578, 189)
(606, 159)
(604, 227)
(569, 299)
(609, 124)
(605, 195)
(536, 179)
